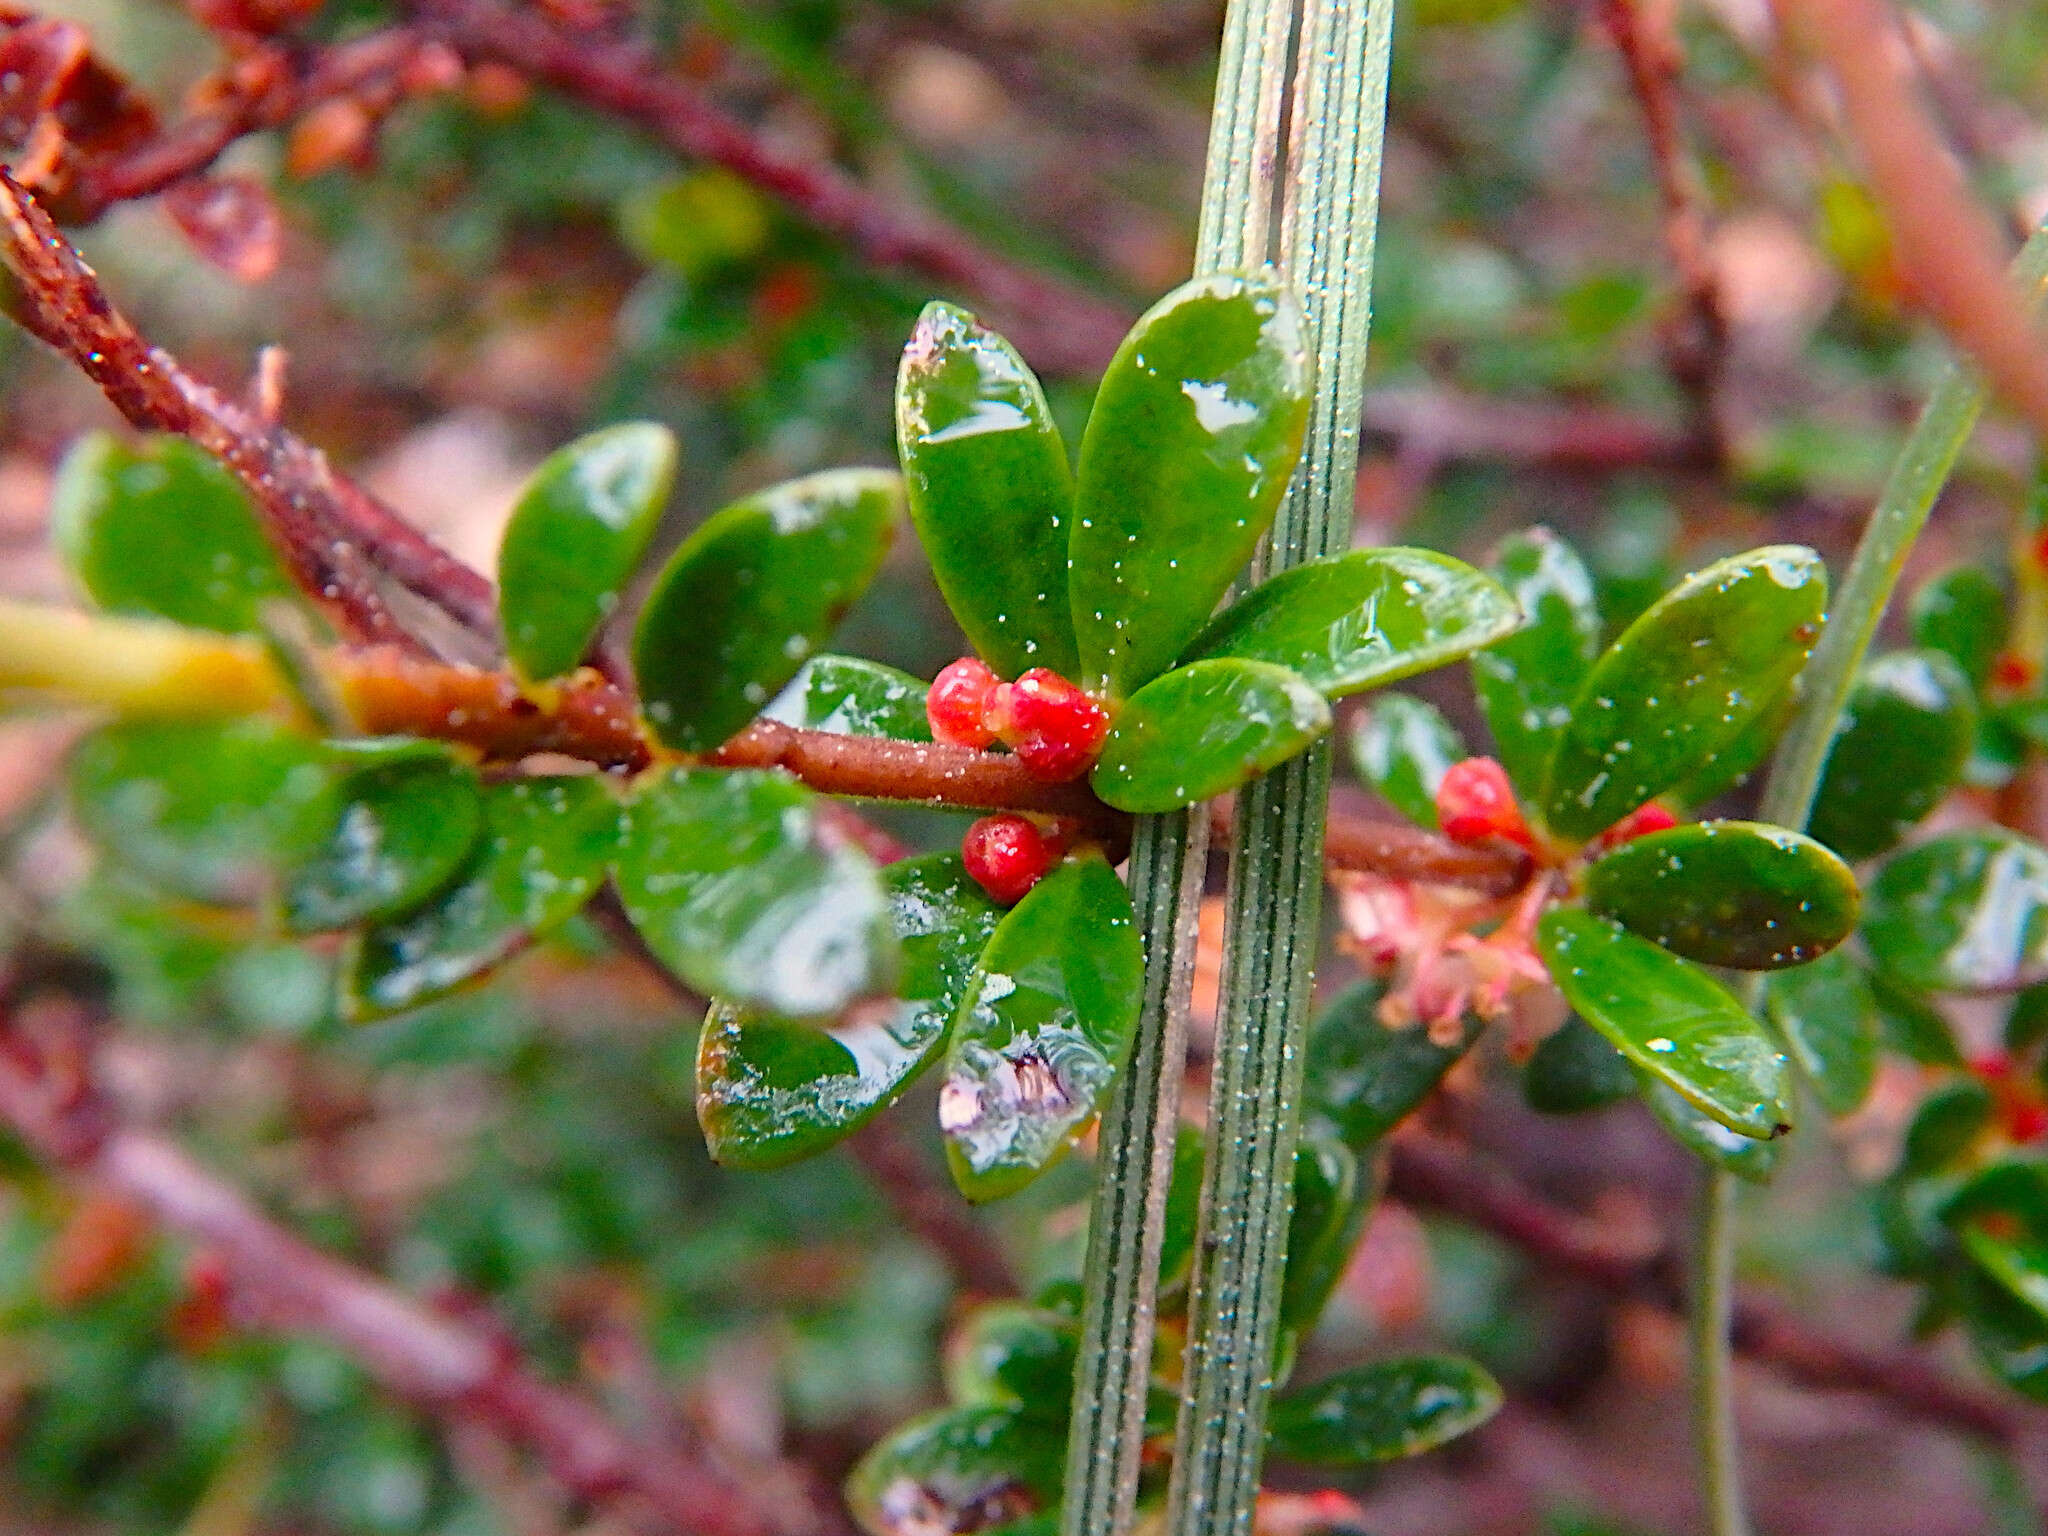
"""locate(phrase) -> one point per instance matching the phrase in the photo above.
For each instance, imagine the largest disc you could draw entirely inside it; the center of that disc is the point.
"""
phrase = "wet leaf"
(732, 883)
(406, 828)
(1360, 1078)
(1012, 1352)
(1681, 684)
(990, 490)
(772, 1090)
(1402, 747)
(577, 534)
(1965, 912)
(213, 811)
(1203, 729)
(959, 1469)
(1044, 1026)
(1911, 1025)
(542, 856)
(2009, 1337)
(1332, 1198)
(854, 698)
(1526, 682)
(1195, 432)
(1739, 894)
(1574, 1070)
(1706, 1138)
(1669, 1018)
(1906, 733)
(1381, 1411)
(751, 594)
(157, 527)
(1948, 1121)
(1963, 612)
(1828, 1021)
(1363, 619)
(1741, 758)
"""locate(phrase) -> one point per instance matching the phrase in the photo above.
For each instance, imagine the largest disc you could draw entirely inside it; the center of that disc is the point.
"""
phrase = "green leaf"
(1527, 682)
(1331, 1202)
(1045, 1024)
(1382, 1411)
(1740, 894)
(732, 883)
(1015, 1353)
(1742, 757)
(213, 811)
(406, 828)
(1203, 729)
(2009, 1337)
(1360, 1079)
(1195, 432)
(576, 536)
(1906, 733)
(1964, 613)
(1683, 681)
(772, 1090)
(854, 698)
(1828, 1021)
(1402, 747)
(1965, 912)
(542, 856)
(751, 594)
(1575, 1070)
(989, 488)
(959, 1469)
(1363, 619)
(1911, 1025)
(160, 528)
(1706, 1138)
(1948, 1121)
(1669, 1018)
(1181, 1223)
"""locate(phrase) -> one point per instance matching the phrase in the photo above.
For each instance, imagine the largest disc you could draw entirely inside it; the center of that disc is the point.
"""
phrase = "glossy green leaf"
(1906, 734)
(1363, 619)
(2010, 1194)
(1965, 912)
(1677, 689)
(989, 489)
(1948, 1121)
(772, 1090)
(1827, 1018)
(959, 1469)
(1382, 1411)
(1195, 432)
(1401, 748)
(2026, 1022)
(2009, 1336)
(1012, 1352)
(1203, 729)
(854, 698)
(1360, 1079)
(1964, 613)
(751, 594)
(1739, 894)
(406, 828)
(158, 527)
(542, 856)
(214, 811)
(1332, 1198)
(1668, 1017)
(1045, 1024)
(1526, 683)
(1739, 761)
(1911, 1025)
(735, 887)
(1706, 1138)
(576, 536)
(1574, 1070)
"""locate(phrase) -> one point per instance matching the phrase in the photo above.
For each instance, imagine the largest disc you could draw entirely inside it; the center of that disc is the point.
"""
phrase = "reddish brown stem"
(1398, 851)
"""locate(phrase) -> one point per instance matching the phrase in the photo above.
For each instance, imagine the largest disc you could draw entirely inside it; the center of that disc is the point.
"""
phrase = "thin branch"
(1437, 424)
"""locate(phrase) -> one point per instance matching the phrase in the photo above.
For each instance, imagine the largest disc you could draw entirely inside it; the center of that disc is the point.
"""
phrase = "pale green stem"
(1713, 1363)
(1274, 901)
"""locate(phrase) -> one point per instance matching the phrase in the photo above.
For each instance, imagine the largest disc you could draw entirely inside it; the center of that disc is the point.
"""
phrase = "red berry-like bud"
(1007, 855)
(1992, 1066)
(957, 704)
(1475, 802)
(1055, 729)
(1640, 822)
(2026, 1122)
(2009, 669)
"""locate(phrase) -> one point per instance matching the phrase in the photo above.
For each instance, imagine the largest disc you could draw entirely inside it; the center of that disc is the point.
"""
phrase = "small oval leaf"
(1575, 1070)
(1195, 432)
(1526, 682)
(1360, 1079)
(576, 536)
(1906, 733)
(1965, 614)
(854, 698)
(751, 594)
(1668, 1017)
(1012, 1352)
(1382, 1411)
(989, 488)
(1363, 619)
(1706, 1138)
(1044, 1025)
(405, 830)
(1739, 894)
(1332, 1198)
(1965, 912)
(1402, 747)
(1203, 729)
(1828, 1020)
(1681, 684)
(959, 1469)
(729, 879)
